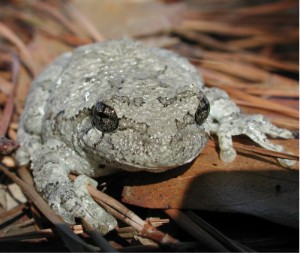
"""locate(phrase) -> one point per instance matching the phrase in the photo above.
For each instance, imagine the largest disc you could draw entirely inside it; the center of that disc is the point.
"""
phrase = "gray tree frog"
(119, 105)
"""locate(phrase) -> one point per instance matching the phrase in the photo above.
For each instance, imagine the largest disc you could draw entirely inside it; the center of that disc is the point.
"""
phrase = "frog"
(119, 105)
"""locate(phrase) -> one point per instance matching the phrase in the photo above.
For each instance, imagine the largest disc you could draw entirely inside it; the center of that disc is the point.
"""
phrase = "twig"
(17, 227)
(72, 241)
(263, 40)
(267, 8)
(100, 241)
(259, 150)
(214, 78)
(231, 244)
(29, 235)
(5, 86)
(204, 39)
(286, 123)
(25, 55)
(130, 218)
(248, 72)
(9, 106)
(55, 14)
(269, 91)
(12, 213)
(84, 21)
(219, 28)
(194, 230)
(251, 58)
(263, 103)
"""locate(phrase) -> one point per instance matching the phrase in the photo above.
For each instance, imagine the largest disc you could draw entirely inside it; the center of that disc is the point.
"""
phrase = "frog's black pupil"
(104, 117)
(202, 111)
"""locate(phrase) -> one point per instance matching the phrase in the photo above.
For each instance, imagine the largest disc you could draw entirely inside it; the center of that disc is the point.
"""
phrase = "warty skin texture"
(153, 93)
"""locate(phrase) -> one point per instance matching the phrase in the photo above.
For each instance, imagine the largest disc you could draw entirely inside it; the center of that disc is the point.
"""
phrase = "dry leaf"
(251, 184)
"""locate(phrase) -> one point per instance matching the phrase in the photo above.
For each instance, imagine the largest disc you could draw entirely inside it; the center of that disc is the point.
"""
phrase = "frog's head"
(152, 131)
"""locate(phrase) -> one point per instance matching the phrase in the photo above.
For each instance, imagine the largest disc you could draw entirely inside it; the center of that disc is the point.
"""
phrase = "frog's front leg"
(51, 167)
(226, 120)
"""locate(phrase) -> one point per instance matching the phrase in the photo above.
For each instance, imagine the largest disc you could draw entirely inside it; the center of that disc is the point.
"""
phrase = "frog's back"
(98, 71)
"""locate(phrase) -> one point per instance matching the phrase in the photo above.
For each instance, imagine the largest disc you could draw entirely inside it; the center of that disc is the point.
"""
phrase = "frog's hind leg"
(51, 168)
(31, 123)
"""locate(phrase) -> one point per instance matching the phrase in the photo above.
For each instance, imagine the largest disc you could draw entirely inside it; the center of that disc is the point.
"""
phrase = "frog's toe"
(227, 152)
(70, 202)
(96, 216)
(261, 139)
(286, 163)
(275, 131)
(295, 134)
(228, 155)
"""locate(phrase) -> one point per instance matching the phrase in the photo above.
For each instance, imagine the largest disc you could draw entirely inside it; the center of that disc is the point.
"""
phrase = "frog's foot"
(255, 127)
(73, 201)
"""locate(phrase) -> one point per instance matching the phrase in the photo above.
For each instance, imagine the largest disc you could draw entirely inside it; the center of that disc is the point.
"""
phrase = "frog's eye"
(104, 118)
(202, 111)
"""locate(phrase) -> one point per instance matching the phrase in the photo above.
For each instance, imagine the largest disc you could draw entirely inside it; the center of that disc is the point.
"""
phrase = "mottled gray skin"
(155, 94)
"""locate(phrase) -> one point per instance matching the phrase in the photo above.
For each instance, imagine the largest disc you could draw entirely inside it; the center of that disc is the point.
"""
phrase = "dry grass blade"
(83, 21)
(231, 244)
(141, 248)
(204, 39)
(130, 218)
(72, 241)
(98, 238)
(285, 110)
(9, 106)
(248, 72)
(195, 231)
(66, 38)
(287, 123)
(18, 228)
(218, 79)
(248, 57)
(267, 8)
(258, 150)
(219, 28)
(12, 213)
(213, 78)
(257, 102)
(263, 103)
(13, 38)
(127, 216)
(5, 86)
(268, 91)
(56, 15)
(29, 235)
(257, 41)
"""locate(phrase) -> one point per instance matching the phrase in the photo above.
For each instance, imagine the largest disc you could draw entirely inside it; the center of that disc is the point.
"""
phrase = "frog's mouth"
(130, 151)
(153, 169)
